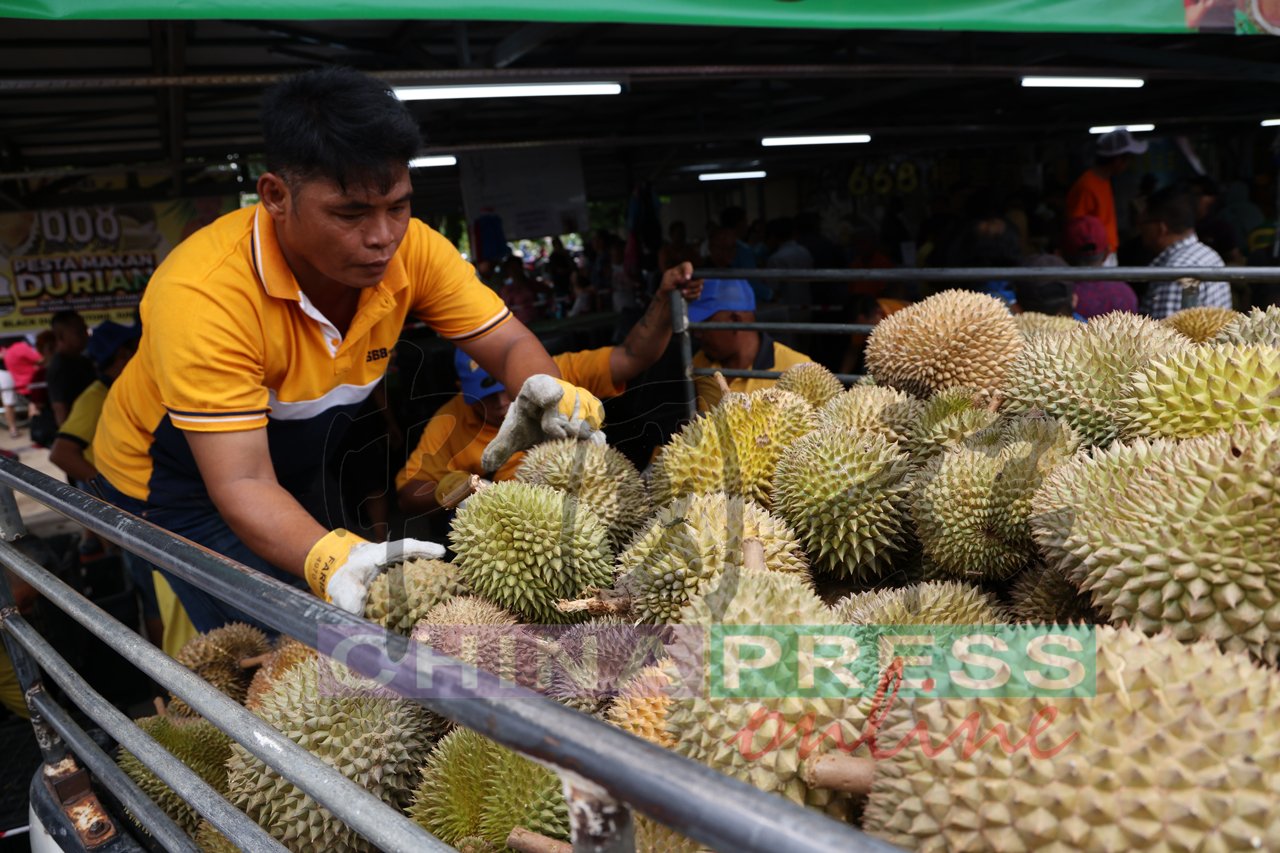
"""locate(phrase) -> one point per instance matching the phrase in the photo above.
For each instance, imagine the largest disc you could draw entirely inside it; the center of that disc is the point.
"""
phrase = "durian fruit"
(401, 596)
(1178, 535)
(473, 787)
(654, 837)
(957, 338)
(524, 547)
(210, 840)
(733, 448)
(846, 495)
(287, 654)
(598, 476)
(592, 661)
(1081, 376)
(1201, 323)
(872, 408)
(1043, 596)
(1207, 389)
(1260, 327)
(374, 738)
(1177, 748)
(483, 635)
(476, 844)
(215, 656)
(1034, 323)
(945, 420)
(930, 603)
(972, 503)
(693, 540)
(641, 706)
(467, 610)
(195, 742)
(812, 381)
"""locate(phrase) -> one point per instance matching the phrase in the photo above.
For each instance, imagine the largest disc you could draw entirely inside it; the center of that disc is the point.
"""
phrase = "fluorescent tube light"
(1132, 128)
(730, 176)
(832, 139)
(1083, 82)
(1271, 122)
(430, 162)
(504, 90)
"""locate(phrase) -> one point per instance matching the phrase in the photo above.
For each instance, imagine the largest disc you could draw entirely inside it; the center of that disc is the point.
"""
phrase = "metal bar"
(680, 329)
(197, 792)
(1258, 274)
(699, 802)
(159, 825)
(815, 328)
(362, 811)
(731, 373)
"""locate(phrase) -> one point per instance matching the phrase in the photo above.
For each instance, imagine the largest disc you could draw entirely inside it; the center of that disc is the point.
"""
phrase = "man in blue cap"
(733, 301)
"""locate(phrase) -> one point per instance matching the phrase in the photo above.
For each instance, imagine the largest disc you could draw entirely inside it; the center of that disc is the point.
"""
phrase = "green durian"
(593, 660)
(1201, 323)
(945, 420)
(811, 381)
(1260, 327)
(1034, 323)
(195, 742)
(873, 408)
(401, 596)
(929, 603)
(1043, 596)
(216, 657)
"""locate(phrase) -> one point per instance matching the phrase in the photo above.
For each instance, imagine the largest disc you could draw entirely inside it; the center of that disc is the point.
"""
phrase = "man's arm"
(69, 456)
(511, 354)
(648, 338)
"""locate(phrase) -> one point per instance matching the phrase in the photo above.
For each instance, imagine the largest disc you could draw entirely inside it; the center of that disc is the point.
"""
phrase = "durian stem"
(257, 660)
(161, 708)
(461, 492)
(603, 603)
(753, 554)
(839, 772)
(525, 841)
(720, 380)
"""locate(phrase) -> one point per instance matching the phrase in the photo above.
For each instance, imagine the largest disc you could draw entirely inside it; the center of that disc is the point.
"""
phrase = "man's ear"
(275, 194)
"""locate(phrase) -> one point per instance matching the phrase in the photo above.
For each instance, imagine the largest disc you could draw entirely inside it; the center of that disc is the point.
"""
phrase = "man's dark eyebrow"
(354, 205)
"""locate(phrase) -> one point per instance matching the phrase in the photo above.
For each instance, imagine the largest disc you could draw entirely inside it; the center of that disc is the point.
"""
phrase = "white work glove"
(341, 566)
(546, 408)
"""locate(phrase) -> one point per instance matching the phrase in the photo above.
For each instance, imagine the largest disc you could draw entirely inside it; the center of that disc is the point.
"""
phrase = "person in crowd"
(454, 440)
(733, 301)
(1084, 244)
(1168, 228)
(42, 425)
(1213, 228)
(264, 331)
(743, 258)
(517, 292)
(559, 267)
(1091, 194)
(866, 310)
(22, 360)
(784, 252)
(1050, 296)
(9, 398)
(584, 298)
(677, 250)
(70, 372)
(808, 233)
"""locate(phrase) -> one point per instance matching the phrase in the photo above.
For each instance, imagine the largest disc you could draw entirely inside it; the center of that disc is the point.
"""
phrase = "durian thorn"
(599, 603)
(461, 492)
(256, 660)
(836, 771)
(525, 841)
(753, 554)
(161, 708)
(720, 380)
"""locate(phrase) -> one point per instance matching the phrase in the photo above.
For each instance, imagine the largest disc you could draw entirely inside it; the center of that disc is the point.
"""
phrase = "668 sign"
(884, 178)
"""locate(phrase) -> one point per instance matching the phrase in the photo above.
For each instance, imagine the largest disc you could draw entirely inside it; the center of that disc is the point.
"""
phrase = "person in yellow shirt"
(455, 438)
(733, 301)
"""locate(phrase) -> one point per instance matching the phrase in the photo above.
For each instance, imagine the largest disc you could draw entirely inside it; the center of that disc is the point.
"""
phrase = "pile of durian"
(992, 470)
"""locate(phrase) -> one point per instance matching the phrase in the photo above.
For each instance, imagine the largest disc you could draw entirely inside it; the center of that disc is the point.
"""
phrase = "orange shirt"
(456, 437)
(1091, 195)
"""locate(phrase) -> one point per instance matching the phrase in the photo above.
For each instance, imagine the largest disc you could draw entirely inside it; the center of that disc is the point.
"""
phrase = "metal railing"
(681, 326)
(605, 771)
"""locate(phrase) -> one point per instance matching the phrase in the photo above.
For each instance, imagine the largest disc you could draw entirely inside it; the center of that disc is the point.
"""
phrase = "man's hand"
(341, 566)
(546, 408)
(681, 278)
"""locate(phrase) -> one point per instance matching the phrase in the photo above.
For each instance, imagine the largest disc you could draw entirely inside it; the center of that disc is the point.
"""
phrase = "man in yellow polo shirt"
(263, 332)
(454, 441)
(733, 301)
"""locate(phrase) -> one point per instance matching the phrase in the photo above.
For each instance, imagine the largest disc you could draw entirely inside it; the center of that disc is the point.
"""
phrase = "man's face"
(719, 344)
(71, 336)
(493, 409)
(348, 237)
(1152, 232)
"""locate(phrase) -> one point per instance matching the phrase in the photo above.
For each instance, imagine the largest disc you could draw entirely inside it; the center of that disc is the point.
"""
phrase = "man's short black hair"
(338, 124)
(1173, 207)
(1046, 296)
(65, 318)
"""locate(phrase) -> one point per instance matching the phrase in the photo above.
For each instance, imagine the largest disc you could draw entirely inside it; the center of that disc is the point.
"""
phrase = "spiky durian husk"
(1260, 327)
(956, 338)
(972, 503)
(372, 737)
(846, 496)
(930, 603)
(402, 595)
(1175, 749)
(476, 844)
(485, 636)
(1201, 391)
(641, 706)
(1081, 376)
(287, 654)
(474, 788)
(1034, 323)
(215, 656)
(1201, 323)
(1184, 536)
(873, 408)
(733, 448)
(945, 420)
(209, 840)
(198, 744)
(1043, 596)
(692, 541)
(592, 661)
(811, 381)
(598, 476)
(525, 547)
(654, 837)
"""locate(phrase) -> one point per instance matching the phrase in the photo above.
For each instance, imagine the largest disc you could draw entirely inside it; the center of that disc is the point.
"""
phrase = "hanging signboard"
(536, 192)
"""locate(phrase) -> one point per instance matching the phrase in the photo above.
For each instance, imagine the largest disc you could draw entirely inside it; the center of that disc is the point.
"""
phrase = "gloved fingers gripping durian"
(341, 566)
(547, 408)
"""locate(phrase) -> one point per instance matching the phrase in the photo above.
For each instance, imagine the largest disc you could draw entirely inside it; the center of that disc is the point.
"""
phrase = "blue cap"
(106, 340)
(722, 294)
(476, 383)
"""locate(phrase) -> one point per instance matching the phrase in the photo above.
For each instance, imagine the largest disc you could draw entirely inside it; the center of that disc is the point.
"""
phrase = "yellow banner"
(95, 260)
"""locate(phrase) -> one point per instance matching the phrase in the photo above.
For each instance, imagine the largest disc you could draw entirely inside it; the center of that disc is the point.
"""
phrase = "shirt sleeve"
(429, 461)
(589, 369)
(82, 420)
(447, 295)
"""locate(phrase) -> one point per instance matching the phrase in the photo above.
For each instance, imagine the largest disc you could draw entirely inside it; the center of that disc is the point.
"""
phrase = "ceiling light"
(1132, 128)
(1271, 122)
(832, 139)
(431, 162)
(504, 90)
(730, 176)
(1082, 82)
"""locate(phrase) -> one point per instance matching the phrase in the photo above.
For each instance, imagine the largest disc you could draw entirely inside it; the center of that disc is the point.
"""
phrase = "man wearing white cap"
(1091, 194)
